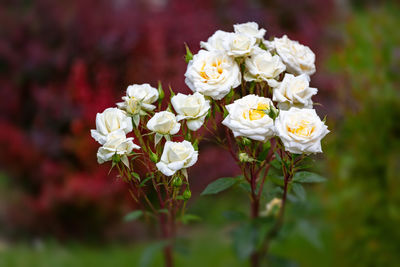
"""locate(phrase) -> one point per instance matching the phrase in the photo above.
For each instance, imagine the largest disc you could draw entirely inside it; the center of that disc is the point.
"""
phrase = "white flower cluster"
(229, 59)
(114, 124)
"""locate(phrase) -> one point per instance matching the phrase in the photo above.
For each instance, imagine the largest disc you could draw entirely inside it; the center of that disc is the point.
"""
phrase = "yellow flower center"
(213, 72)
(303, 128)
(257, 113)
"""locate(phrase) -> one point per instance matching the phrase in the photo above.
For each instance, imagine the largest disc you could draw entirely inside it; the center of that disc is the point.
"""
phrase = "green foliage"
(149, 253)
(363, 152)
(132, 216)
(220, 185)
(307, 177)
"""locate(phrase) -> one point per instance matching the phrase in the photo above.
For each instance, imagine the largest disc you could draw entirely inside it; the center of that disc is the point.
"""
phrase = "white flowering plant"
(261, 90)
(254, 97)
(139, 136)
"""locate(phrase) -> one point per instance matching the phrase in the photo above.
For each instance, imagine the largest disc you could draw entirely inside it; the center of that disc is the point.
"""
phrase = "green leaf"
(163, 211)
(299, 191)
(135, 175)
(245, 186)
(132, 216)
(245, 240)
(308, 177)
(219, 185)
(276, 164)
(187, 218)
(264, 153)
(145, 180)
(149, 253)
(277, 180)
(234, 216)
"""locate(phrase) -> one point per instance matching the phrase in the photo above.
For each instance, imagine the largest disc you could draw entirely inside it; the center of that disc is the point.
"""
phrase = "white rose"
(215, 42)
(193, 108)
(139, 96)
(213, 74)
(298, 58)
(294, 91)
(262, 66)
(251, 29)
(112, 119)
(300, 130)
(176, 156)
(247, 117)
(239, 45)
(163, 122)
(116, 144)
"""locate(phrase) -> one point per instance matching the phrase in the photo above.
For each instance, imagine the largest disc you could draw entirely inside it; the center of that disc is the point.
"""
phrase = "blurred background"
(62, 61)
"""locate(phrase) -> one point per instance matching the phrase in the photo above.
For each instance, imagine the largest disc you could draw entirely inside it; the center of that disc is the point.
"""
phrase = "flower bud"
(187, 194)
(153, 156)
(161, 93)
(243, 157)
(177, 182)
(246, 141)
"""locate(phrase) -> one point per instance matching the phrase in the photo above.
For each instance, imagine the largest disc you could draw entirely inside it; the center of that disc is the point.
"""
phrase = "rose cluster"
(113, 125)
(274, 76)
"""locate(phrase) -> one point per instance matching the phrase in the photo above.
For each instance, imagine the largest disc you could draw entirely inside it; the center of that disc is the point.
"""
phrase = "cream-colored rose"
(239, 44)
(262, 66)
(192, 108)
(248, 117)
(298, 58)
(250, 29)
(116, 144)
(215, 42)
(213, 74)
(164, 123)
(111, 120)
(177, 156)
(300, 130)
(139, 96)
(294, 91)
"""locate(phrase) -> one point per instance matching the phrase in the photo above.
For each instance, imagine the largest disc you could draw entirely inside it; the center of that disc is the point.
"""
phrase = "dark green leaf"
(245, 240)
(245, 186)
(162, 211)
(187, 218)
(277, 180)
(276, 164)
(262, 156)
(134, 215)
(299, 191)
(149, 253)
(145, 180)
(308, 177)
(219, 185)
(234, 216)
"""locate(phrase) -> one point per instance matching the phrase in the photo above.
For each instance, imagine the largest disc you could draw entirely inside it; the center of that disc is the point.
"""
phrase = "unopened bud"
(243, 157)
(153, 156)
(187, 194)
(246, 141)
(161, 93)
(177, 182)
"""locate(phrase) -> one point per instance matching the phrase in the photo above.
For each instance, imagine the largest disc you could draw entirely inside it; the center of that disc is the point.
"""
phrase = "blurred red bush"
(61, 62)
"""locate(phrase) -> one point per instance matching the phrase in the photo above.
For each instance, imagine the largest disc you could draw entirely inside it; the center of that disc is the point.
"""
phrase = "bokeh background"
(62, 61)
